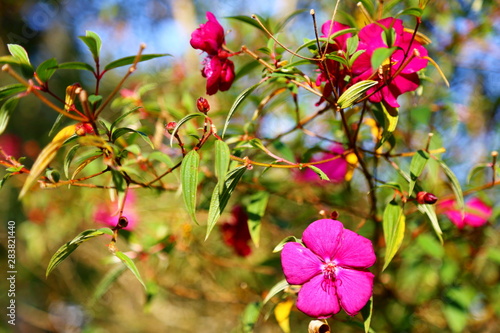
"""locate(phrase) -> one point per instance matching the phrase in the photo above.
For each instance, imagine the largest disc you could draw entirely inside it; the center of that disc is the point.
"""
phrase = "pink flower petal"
(299, 263)
(355, 251)
(354, 289)
(209, 37)
(318, 298)
(322, 237)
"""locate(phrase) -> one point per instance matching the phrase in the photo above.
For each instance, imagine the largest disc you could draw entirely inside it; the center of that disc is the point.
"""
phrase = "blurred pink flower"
(332, 269)
(11, 144)
(235, 232)
(218, 69)
(406, 61)
(107, 213)
(477, 212)
(338, 170)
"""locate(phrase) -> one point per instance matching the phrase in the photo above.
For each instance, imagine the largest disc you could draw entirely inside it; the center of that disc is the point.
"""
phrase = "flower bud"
(122, 222)
(426, 198)
(82, 129)
(171, 126)
(202, 105)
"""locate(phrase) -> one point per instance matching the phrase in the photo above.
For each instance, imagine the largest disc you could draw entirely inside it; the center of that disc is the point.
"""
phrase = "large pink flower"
(477, 212)
(218, 69)
(107, 213)
(399, 74)
(336, 169)
(209, 37)
(332, 269)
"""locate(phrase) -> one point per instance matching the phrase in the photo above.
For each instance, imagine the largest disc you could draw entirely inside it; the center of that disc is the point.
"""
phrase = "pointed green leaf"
(319, 172)
(98, 42)
(20, 54)
(380, 56)
(93, 42)
(250, 21)
(414, 11)
(124, 130)
(367, 312)
(394, 230)
(417, 165)
(11, 90)
(352, 44)
(76, 65)
(181, 122)
(130, 60)
(241, 97)
(6, 111)
(287, 19)
(69, 157)
(351, 95)
(256, 209)
(250, 317)
(189, 181)
(455, 185)
(123, 116)
(222, 159)
(64, 251)
(281, 244)
(161, 157)
(220, 197)
(430, 211)
(391, 117)
(46, 69)
(280, 286)
(130, 265)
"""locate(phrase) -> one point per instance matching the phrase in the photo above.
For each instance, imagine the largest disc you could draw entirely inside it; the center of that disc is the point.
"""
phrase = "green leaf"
(367, 312)
(335, 57)
(220, 197)
(430, 211)
(130, 60)
(93, 42)
(98, 42)
(287, 19)
(222, 159)
(250, 317)
(161, 157)
(76, 65)
(355, 56)
(455, 185)
(189, 181)
(414, 11)
(6, 111)
(380, 55)
(12, 89)
(256, 209)
(105, 283)
(351, 95)
(319, 172)
(417, 165)
(124, 130)
(131, 266)
(391, 117)
(281, 244)
(352, 44)
(280, 286)
(9, 60)
(394, 230)
(95, 100)
(65, 250)
(46, 69)
(181, 122)
(241, 97)
(250, 21)
(123, 116)
(20, 54)
(69, 157)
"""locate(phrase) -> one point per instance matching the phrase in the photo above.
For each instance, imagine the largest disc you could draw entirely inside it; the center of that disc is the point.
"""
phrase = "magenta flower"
(107, 213)
(209, 37)
(332, 269)
(338, 170)
(218, 69)
(477, 212)
(235, 232)
(399, 74)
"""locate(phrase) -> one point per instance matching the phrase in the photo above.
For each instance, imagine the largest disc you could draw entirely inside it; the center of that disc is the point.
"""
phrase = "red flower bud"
(122, 222)
(426, 198)
(82, 129)
(171, 126)
(202, 105)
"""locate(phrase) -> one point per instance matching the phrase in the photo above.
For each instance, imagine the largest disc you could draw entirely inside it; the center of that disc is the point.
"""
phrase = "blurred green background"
(195, 285)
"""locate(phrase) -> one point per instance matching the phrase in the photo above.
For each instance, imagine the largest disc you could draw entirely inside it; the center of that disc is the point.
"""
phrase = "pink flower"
(332, 269)
(219, 72)
(218, 69)
(235, 232)
(477, 212)
(11, 145)
(333, 69)
(209, 37)
(107, 213)
(337, 170)
(399, 74)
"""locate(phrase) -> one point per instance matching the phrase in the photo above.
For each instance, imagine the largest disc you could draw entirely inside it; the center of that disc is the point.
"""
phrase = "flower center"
(328, 270)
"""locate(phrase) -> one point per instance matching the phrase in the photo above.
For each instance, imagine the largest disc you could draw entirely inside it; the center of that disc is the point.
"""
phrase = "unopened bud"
(202, 105)
(426, 198)
(122, 222)
(82, 129)
(171, 126)
(334, 215)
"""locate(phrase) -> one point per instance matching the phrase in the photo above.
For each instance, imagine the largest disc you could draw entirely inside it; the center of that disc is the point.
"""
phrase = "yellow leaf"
(282, 314)
(65, 133)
